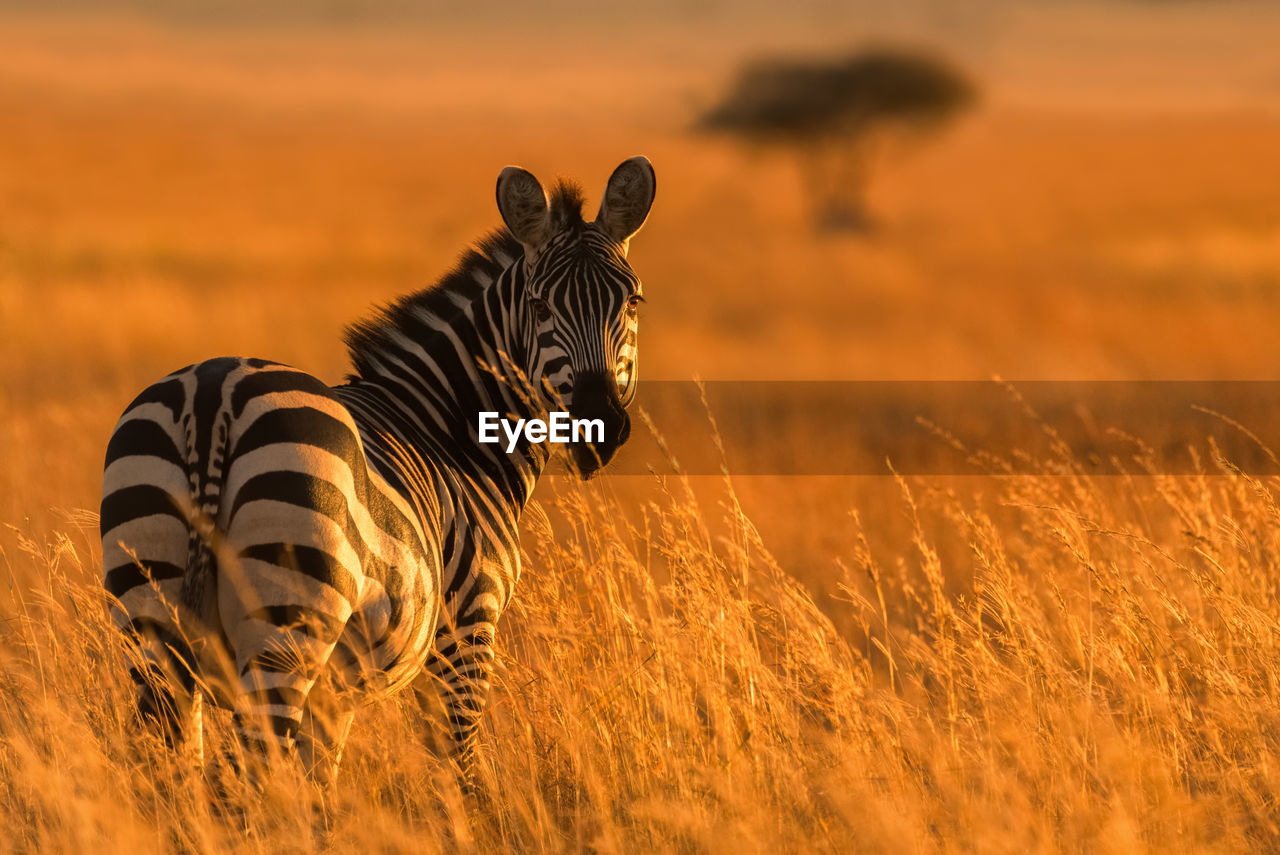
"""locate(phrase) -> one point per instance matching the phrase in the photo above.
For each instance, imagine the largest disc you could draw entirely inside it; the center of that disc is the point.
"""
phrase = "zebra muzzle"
(595, 396)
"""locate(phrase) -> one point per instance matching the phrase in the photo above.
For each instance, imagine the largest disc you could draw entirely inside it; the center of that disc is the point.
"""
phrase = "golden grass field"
(1052, 663)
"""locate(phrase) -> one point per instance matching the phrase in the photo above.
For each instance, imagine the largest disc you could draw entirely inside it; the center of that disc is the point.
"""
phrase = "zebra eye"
(634, 302)
(540, 308)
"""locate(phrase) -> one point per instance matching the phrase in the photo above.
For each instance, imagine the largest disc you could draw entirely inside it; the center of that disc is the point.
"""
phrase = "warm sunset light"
(716, 427)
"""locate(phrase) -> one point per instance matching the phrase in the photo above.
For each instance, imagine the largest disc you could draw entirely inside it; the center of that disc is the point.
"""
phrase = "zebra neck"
(425, 384)
(504, 341)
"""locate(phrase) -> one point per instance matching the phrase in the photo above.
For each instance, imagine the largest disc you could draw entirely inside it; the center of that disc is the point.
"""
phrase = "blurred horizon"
(1151, 57)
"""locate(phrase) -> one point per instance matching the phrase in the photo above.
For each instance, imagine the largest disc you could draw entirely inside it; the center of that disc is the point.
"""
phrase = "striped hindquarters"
(237, 502)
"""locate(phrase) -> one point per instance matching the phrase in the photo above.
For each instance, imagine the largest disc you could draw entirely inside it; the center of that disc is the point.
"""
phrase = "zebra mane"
(478, 267)
(566, 204)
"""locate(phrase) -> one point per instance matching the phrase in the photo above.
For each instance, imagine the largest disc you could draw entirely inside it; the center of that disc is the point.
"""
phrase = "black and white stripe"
(290, 550)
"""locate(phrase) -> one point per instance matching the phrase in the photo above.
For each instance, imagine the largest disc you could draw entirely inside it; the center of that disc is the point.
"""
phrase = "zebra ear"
(627, 199)
(524, 208)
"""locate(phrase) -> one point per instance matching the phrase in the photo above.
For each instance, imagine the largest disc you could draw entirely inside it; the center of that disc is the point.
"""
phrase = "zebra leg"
(460, 668)
(322, 734)
(165, 688)
(279, 652)
(277, 665)
(281, 619)
(145, 543)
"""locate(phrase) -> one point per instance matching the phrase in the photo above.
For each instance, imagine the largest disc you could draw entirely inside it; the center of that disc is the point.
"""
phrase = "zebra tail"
(199, 594)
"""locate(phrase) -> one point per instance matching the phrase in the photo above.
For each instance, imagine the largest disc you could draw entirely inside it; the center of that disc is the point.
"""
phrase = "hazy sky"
(1154, 55)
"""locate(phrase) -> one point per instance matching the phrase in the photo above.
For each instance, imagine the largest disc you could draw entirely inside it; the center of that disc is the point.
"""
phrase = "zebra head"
(581, 296)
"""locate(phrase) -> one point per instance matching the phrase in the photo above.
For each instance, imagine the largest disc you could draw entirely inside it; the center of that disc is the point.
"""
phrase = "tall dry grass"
(1107, 680)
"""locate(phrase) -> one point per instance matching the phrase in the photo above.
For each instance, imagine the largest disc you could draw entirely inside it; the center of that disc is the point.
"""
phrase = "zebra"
(292, 551)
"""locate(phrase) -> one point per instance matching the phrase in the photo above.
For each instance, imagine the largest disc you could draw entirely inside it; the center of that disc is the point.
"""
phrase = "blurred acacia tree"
(837, 115)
